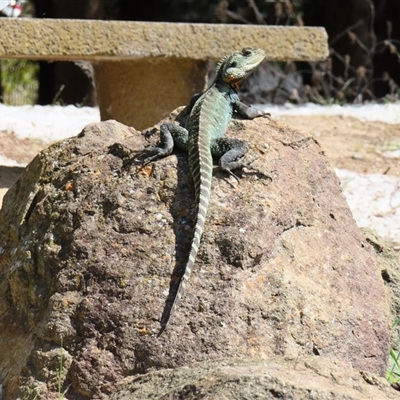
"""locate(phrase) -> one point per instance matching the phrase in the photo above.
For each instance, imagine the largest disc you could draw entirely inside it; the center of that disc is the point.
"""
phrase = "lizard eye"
(233, 64)
(246, 52)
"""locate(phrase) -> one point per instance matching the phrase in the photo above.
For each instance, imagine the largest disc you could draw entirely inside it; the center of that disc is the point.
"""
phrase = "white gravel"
(47, 123)
(374, 199)
(388, 113)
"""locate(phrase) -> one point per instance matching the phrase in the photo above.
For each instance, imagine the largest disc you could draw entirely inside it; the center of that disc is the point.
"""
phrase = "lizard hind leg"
(229, 150)
(170, 135)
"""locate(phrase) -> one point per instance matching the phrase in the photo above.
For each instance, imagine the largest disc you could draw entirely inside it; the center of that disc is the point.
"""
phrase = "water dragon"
(202, 138)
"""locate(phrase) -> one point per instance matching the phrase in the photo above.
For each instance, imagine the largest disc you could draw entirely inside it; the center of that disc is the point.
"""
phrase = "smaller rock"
(309, 378)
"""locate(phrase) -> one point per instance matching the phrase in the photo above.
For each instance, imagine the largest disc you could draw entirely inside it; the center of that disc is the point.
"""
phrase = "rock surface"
(311, 378)
(88, 244)
(390, 270)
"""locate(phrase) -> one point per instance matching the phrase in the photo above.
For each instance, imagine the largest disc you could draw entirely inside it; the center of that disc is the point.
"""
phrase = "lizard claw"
(249, 166)
(233, 175)
(150, 154)
(258, 172)
(138, 159)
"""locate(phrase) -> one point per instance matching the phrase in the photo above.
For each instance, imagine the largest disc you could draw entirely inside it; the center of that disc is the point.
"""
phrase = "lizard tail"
(202, 178)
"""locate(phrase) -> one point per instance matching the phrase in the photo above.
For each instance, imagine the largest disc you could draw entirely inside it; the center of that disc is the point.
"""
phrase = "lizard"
(202, 137)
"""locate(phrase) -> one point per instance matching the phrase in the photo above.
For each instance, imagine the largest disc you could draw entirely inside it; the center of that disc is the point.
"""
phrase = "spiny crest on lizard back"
(236, 67)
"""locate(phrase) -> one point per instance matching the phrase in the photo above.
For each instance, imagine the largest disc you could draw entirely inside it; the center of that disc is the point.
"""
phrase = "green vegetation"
(390, 146)
(19, 81)
(61, 373)
(393, 372)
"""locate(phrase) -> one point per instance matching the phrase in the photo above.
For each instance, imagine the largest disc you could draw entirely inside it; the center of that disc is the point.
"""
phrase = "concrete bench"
(143, 70)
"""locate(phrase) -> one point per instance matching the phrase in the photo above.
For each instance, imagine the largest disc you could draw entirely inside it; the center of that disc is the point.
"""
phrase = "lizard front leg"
(249, 112)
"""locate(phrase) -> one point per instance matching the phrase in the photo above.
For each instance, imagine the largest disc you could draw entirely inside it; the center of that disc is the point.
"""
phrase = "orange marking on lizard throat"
(234, 83)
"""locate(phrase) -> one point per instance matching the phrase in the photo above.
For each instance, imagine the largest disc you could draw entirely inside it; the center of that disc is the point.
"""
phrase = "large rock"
(88, 244)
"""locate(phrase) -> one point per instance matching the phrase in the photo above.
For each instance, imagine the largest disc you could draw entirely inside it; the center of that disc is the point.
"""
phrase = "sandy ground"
(350, 144)
(20, 150)
(364, 147)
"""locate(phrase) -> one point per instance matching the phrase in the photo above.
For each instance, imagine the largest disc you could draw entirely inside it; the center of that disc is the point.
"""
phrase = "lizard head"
(236, 67)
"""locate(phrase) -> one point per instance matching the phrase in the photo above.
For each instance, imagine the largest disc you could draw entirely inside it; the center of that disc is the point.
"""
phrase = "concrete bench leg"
(140, 92)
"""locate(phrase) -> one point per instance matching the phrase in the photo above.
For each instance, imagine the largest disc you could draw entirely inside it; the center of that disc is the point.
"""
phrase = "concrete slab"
(95, 40)
(143, 70)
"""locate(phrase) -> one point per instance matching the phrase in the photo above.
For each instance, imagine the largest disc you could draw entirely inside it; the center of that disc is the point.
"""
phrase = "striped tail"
(201, 164)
